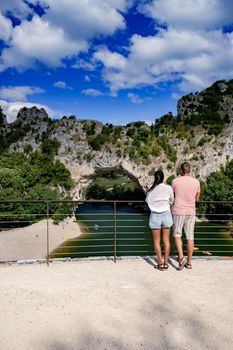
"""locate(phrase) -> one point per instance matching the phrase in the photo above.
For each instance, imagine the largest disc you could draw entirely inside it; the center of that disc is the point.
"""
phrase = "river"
(133, 236)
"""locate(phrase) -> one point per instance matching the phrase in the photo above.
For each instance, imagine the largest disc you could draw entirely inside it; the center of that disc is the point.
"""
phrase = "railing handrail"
(118, 222)
(93, 201)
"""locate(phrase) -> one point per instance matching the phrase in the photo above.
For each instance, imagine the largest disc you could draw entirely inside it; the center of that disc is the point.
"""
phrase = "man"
(187, 192)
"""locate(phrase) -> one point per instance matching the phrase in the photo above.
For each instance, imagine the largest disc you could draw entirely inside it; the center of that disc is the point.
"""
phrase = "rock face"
(86, 146)
(33, 119)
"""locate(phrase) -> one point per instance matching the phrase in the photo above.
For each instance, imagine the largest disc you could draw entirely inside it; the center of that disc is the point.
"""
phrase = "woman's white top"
(160, 198)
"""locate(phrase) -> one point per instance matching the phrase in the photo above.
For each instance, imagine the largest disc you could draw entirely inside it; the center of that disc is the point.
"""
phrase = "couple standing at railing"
(182, 195)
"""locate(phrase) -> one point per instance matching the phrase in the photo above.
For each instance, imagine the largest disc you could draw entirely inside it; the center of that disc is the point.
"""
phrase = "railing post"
(47, 214)
(115, 248)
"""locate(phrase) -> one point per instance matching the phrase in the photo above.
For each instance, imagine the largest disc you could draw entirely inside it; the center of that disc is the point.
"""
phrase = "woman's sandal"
(188, 266)
(160, 267)
(166, 266)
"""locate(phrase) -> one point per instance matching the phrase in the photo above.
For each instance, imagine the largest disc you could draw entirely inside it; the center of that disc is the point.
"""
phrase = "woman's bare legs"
(157, 246)
(166, 242)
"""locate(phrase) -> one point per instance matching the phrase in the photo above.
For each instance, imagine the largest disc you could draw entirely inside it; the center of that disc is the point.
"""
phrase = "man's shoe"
(182, 263)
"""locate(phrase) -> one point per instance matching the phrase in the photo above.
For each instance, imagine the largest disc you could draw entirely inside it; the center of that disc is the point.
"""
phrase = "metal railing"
(48, 230)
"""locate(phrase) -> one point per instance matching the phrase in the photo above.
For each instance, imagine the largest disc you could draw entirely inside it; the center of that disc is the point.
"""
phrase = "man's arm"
(198, 192)
(197, 196)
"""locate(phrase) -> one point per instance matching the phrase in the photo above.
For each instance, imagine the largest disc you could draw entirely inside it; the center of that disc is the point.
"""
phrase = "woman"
(159, 198)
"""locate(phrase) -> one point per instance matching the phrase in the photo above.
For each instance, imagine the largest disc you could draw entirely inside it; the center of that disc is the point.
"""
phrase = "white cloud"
(134, 98)
(190, 14)
(62, 32)
(17, 8)
(83, 64)
(92, 92)
(18, 93)
(5, 28)
(62, 85)
(110, 59)
(11, 109)
(87, 78)
(38, 40)
(86, 18)
(195, 58)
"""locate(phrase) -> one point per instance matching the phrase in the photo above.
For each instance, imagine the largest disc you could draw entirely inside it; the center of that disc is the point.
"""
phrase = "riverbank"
(30, 242)
(124, 306)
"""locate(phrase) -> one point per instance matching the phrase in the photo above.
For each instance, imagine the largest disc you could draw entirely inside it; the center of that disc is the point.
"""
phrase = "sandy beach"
(31, 242)
(98, 305)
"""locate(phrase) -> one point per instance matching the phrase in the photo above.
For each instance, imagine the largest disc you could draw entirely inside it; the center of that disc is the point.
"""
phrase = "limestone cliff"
(201, 133)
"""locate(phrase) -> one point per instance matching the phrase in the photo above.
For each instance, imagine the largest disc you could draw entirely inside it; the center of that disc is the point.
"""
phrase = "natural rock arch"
(83, 178)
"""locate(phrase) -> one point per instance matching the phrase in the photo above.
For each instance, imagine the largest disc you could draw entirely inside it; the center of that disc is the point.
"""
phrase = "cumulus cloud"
(84, 64)
(38, 40)
(134, 98)
(110, 59)
(63, 31)
(17, 8)
(62, 85)
(92, 92)
(191, 14)
(86, 18)
(192, 59)
(5, 28)
(18, 93)
(11, 109)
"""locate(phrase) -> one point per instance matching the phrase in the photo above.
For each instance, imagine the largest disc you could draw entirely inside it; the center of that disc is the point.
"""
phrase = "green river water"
(133, 236)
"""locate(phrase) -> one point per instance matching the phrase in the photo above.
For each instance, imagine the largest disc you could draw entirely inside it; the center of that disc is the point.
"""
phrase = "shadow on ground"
(158, 323)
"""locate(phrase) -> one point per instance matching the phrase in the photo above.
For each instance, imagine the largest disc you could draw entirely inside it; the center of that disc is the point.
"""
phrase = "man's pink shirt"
(185, 189)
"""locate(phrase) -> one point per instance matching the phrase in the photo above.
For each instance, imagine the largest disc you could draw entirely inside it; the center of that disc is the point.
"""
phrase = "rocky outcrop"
(33, 119)
(206, 152)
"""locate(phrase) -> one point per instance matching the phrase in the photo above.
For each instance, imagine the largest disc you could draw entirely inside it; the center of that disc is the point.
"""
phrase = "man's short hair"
(185, 167)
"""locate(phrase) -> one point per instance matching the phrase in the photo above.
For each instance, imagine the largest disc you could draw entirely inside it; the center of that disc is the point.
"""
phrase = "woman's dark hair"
(159, 176)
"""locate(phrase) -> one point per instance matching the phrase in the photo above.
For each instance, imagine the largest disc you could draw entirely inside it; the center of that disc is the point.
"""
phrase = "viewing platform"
(87, 305)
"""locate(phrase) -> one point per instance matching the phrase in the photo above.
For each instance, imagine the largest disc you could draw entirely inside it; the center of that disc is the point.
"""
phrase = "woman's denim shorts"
(161, 220)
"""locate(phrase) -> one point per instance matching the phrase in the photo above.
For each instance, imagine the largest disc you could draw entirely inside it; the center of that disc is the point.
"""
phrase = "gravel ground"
(128, 305)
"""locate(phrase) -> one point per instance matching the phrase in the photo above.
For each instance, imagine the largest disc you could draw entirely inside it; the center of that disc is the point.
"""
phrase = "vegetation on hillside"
(218, 187)
(38, 177)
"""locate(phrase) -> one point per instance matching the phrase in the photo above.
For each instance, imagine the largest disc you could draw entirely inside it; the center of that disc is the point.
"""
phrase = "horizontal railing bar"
(213, 239)
(210, 226)
(223, 214)
(79, 201)
(196, 233)
(91, 226)
(91, 239)
(134, 232)
(96, 220)
(135, 251)
(78, 253)
(210, 233)
(217, 220)
(215, 245)
(120, 226)
(97, 233)
(85, 246)
(132, 245)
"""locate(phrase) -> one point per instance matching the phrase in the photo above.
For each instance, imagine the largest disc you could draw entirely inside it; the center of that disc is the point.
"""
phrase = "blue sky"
(115, 61)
